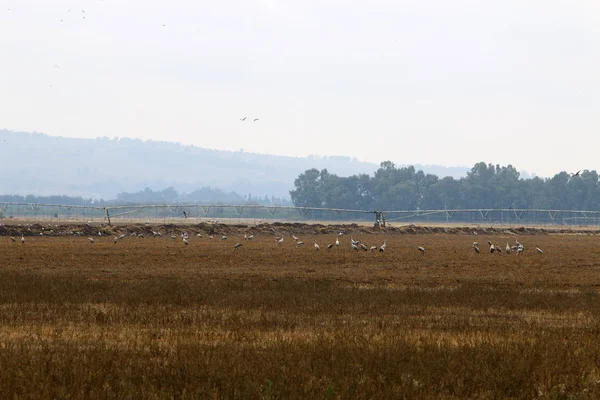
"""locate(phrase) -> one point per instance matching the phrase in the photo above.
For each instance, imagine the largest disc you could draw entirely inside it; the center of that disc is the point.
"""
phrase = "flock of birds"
(517, 248)
(355, 245)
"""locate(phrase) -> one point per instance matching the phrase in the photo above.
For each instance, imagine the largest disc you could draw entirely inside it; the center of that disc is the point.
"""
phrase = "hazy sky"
(430, 82)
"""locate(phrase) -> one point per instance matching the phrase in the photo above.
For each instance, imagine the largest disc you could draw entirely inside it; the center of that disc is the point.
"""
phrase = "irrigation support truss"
(191, 212)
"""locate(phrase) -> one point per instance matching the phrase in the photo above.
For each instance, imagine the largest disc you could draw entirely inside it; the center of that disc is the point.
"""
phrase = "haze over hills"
(35, 163)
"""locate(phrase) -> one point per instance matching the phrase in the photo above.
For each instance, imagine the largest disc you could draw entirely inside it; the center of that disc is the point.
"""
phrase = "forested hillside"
(38, 164)
(485, 186)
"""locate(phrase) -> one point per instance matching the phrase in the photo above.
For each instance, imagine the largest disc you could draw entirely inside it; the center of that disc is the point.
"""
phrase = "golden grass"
(151, 318)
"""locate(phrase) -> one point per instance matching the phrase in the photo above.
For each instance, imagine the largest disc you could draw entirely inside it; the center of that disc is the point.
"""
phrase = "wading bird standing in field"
(382, 247)
(13, 239)
(354, 247)
(520, 249)
(295, 238)
(373, 248)
(122, 236)
(507, 248)
(185, 241)
(476, 248)
(223, 237)
(237, 245)
(115, 239)
(337, 243)
(539, 250)
(317, 248)
(22, 239)
(329, 246)
(364, 247)
(299, 243)
(421, 249)
(280, 241)
(91, 239)
(492, 248)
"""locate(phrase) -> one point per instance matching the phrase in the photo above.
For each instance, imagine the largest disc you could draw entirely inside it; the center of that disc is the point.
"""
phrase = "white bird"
(421, 249)
(122, 236)
(490, 243)
(539, 250)
(211, 237)
(185, 241)
(99, 233)
(520, 249)
(115, 239)
(299, 243)
(237, 245)
(91, 239)
(341, 234)
(507, 248)
(492, 248)
(199, 235)
(280, 241)
(295, 238)
(22, 239)
(475, 244)
(174, 237)
(317, 248)
(223, 237)
(355, 247)
(250, 237)
(13, 239)
(476, 249)
(382, 247)
(337, 242)
(354, 241)
(329, 246)
(373, 248)
(364, 247)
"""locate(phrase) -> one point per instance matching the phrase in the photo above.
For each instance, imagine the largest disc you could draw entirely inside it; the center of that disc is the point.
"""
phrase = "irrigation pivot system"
(250, 213)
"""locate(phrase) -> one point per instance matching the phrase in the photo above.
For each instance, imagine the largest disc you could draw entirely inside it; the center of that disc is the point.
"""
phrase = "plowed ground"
(154, 318)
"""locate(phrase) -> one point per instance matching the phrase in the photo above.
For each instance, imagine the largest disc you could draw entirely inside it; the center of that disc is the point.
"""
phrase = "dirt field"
(154, 318)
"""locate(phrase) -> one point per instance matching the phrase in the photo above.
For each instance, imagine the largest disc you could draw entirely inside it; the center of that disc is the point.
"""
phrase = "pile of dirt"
(274, 229)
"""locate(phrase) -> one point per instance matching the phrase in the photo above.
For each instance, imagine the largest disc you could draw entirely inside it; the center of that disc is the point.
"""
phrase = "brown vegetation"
(152, 318)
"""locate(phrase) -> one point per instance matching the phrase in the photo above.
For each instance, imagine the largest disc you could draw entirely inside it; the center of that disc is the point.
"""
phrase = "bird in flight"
(243, 119)
(255, 119)
(575, 174)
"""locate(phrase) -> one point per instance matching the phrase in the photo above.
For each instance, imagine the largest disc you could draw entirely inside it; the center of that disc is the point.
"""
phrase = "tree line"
(485, 186)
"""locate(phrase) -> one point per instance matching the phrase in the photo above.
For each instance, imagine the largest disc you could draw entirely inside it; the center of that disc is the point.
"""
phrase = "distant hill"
(35, 163)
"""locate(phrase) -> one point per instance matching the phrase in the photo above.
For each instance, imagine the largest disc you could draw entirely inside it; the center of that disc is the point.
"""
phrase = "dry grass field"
(152, 318)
